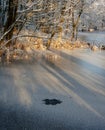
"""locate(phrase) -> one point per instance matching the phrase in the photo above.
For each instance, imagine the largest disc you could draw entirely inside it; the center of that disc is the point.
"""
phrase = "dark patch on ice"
(52, 101)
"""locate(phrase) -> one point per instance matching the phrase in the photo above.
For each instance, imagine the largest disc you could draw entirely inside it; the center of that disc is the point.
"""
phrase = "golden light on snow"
(26, 57)
(14, 56)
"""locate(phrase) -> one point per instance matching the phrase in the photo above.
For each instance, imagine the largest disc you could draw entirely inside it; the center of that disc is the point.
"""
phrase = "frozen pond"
(93, 37)
(67, 94)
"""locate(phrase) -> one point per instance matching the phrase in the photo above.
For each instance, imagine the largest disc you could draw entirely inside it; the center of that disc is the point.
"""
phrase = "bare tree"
(11, 18)
(47, 16)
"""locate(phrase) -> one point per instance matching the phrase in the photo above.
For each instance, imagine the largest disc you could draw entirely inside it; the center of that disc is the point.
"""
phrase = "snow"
(78, 80)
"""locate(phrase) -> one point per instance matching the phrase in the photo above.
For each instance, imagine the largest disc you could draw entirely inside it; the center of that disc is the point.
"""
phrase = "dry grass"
(25, 49)
(61, 44)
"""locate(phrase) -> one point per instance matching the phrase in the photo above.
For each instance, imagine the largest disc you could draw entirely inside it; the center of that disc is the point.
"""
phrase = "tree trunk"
(12, 13)
(49, 41)
(75, 25)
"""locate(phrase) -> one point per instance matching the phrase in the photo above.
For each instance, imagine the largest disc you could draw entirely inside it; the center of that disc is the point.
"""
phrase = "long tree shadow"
(82, 63)
(67, 86)
(26, 88)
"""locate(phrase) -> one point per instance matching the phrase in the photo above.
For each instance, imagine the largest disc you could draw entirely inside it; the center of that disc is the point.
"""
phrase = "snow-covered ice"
(77, 80)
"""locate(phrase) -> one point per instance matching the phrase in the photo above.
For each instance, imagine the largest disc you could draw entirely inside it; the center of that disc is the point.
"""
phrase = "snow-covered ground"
(77, 79)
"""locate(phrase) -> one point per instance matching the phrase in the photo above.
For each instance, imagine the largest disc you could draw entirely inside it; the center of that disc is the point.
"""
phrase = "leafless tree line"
(47, 16)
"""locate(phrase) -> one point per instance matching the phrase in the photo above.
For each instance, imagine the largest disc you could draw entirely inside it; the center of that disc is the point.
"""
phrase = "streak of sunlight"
(80, 101)
(24, 96)
(65, 90)
(94, 59)
(89, 83)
